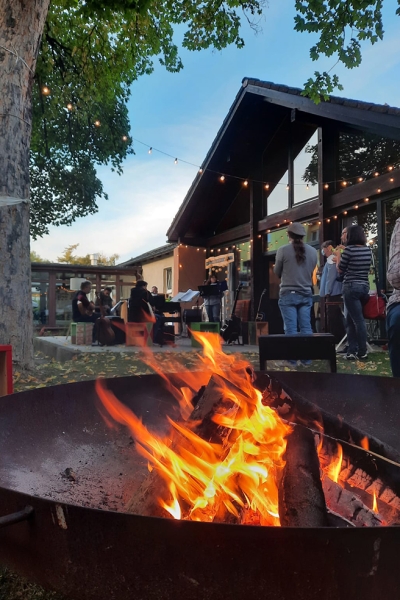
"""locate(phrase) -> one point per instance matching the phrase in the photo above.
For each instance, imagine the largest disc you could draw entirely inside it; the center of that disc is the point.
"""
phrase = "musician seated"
(105, 300)
(82, 308)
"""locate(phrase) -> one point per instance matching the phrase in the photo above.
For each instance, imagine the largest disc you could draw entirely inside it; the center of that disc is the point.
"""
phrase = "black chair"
(316, 346)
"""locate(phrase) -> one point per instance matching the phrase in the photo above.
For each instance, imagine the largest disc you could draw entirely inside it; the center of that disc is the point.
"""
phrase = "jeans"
(213, 312)
(353, 295)
(393, 329)
(296, 313)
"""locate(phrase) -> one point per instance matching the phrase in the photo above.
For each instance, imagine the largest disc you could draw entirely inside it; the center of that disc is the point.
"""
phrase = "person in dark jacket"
(139, 310)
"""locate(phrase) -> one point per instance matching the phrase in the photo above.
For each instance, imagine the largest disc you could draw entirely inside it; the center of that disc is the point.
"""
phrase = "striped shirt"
(355, 264)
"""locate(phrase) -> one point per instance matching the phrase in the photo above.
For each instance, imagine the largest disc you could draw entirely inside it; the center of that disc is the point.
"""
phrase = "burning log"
(213, 400)
(348, 506)
(301, 499)
(293, 407)
(360, 469)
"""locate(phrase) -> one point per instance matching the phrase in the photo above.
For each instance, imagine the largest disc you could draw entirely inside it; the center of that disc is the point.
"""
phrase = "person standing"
(295, 264)
(393, 306)
(354, 264)
(82, 308)
(212, 303)
(331, 290)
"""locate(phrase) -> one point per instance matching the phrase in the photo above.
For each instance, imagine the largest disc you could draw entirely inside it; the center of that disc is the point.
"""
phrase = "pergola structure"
(279, 157)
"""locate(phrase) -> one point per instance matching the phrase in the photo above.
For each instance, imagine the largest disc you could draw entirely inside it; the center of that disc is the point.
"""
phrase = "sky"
(180, 114)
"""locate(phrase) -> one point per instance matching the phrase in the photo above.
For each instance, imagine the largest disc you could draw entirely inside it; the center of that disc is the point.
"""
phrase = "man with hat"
(295, 264)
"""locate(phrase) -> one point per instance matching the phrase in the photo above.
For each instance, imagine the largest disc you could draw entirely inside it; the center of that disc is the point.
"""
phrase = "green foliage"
(342, 26)
(69, 257)
(91, 52)
(35, 257)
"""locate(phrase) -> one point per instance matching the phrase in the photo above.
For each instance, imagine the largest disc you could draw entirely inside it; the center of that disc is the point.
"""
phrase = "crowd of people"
(345, 276)
(344, 286)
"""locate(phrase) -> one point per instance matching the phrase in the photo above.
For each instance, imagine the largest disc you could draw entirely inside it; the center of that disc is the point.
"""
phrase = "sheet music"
(188, 296)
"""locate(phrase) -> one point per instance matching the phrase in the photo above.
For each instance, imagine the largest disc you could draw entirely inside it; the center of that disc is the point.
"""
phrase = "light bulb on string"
(390, 168)
(97, 123)
(150, 150)
(287, 186)
(124, 138)
(376, 174)
(69, 106)
(379, 190)
(176, 161)
(222, 178)
(366, 199)
(266, 186)
(360, 179)
(46, 91)
(307, 187)
(326, 186)
(200, 171)
(344, 183)
(245, 183)
(391, 180)
(345, 212)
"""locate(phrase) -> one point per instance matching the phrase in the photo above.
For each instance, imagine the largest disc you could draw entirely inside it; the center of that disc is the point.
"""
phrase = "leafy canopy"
(93, 50)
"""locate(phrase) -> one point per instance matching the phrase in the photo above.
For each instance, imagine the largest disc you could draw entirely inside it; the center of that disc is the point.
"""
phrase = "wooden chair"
(316, 346)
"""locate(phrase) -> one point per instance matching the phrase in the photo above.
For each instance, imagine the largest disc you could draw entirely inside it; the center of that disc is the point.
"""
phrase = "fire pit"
(78, 473)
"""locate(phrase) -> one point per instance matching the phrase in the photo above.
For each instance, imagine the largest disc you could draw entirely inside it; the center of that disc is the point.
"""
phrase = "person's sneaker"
(351, 357)
(362, 356)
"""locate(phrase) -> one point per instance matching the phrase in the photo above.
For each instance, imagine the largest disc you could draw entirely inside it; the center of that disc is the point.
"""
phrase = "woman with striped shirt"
(354, 265)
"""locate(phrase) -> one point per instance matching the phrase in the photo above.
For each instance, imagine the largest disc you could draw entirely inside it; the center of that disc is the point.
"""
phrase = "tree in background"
(70, 258)
(34, 257)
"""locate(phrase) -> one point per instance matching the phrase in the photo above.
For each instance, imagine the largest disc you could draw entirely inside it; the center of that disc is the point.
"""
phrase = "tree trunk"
(21, 26)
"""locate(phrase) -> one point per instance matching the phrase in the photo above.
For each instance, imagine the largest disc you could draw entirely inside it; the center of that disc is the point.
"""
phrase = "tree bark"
(21, 27)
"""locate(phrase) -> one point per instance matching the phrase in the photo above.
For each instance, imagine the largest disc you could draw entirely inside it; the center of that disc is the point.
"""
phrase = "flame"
(334, 468)
(206, 480)
(364, 443)
(374, 503)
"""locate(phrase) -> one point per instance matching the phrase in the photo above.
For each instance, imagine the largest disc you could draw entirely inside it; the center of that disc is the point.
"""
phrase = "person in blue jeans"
(213, 303)
(354, 264)
(295, 264)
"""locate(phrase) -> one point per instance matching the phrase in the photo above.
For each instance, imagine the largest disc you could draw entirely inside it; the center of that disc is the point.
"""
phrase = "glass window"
(392, 213)
(278, 199)
(168, 280)
(305, 169)
(364, 155)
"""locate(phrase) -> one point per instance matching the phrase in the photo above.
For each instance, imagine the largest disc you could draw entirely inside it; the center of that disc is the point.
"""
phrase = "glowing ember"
(205, 480)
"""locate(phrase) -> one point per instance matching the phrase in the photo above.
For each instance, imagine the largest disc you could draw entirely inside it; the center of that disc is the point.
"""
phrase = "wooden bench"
(316, 346)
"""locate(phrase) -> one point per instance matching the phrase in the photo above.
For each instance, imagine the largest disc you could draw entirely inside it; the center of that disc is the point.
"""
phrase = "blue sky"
(181, 114)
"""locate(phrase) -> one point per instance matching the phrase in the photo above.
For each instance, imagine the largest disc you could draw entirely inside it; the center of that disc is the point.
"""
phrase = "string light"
(200, 171)
(344, 183)
(307, 187)
(69, 106)
(245, 183)
(97, 123)
(46, 91)
(376, 174)
(345, 212)
(356, 206)
(360, 179)
(335, 216)
(150, 150)
(366, 199)
(379, 190)
(176, 161)
(328, 220)
(326, 186)
(124, 138)
(390, 168)
(222, 178)
(266, 186)
(391, 180)
(287, 186)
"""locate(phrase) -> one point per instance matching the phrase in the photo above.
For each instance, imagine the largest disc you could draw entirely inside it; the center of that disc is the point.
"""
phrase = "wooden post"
(51, 299)
(6, 374)
(256, 246)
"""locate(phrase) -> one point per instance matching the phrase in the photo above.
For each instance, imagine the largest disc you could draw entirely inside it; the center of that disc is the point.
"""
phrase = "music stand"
(209, 290)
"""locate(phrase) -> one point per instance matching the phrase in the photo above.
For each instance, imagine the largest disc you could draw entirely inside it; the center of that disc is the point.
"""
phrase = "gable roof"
(149, 256)
(247, 125)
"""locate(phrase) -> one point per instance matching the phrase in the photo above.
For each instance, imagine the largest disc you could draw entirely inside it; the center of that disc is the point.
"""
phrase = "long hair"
(356, 236)
(298, 246)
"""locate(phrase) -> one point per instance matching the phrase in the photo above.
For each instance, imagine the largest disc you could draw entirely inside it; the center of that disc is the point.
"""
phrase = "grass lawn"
(90, 366)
